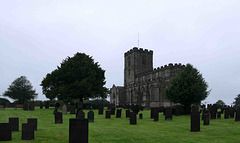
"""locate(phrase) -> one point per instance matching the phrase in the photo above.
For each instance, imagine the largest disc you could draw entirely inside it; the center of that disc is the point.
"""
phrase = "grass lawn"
(119, 130)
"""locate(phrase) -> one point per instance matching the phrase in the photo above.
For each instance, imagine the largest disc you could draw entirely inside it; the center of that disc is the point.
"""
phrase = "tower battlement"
(141, 50)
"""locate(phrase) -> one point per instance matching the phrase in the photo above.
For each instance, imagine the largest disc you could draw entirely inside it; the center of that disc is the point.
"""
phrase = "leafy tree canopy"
(220, 102)
(78, 77)
(237, 101)
(21, 90)
(188, 87)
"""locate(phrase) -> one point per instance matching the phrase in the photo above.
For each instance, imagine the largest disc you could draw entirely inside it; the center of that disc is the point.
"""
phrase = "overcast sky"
(36, 35)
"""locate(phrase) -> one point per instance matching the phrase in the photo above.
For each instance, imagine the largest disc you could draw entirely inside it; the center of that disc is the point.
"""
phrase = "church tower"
(136, 61)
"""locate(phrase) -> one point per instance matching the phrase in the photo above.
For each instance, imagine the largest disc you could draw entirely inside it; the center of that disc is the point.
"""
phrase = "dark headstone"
(119, 113)
(5, 132)
(195, 119)
(25, 106)
(156, 116)
(33, 123)
(91, 116)
(80, 114)
(108, 114)
(100, 110)
(31, 107)
(133, 118)
(14, 124)
(72, 109)
(41, 105)
(153, 109)
(27, 132)
(226, 113)
(237, 117)
(219, 115)
(58, 118)
(47, 105)
(140, 116)
(112, 110)
(232, 111)
(78, 130)
(168, 113)
(206, 119)
(127, 113)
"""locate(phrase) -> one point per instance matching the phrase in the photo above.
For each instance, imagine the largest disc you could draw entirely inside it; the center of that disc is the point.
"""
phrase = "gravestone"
(226, 113)
(119, 113)
(168, 113)
(5, 132)
(72, 109)
(232, 111)
(25, 106)
(133, 118)
(58, 118)
(113, 110)
(27, 132)
(140, 116)
(33, 123)
(237, 117)
(78, 130)
(127, 113)
(41, 105)
(153, 109)
(100, 110)
(219, 115)
(31, 107)
(47, 105)
(156, 116)
(195, 119)
(14, 124)
(206, 118)
(64, 109)
(108, 114)
(91, 116)
(80, 114)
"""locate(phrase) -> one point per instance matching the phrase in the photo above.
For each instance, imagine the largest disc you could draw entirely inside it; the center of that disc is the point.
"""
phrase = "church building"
(143, 85)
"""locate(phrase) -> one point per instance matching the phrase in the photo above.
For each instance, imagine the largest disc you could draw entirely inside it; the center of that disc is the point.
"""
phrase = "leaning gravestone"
(156, 116)
(133, 118)
(168, 113)
(140, 116)
(195, 119)
(108, 114)
(237, 117)
(5, 132)
(91, 116)
(127, 113)
(119, 113)
(58, 118)
(78, 130)
(33, 123)
(64, 109)
(27, 132)
(14, 124)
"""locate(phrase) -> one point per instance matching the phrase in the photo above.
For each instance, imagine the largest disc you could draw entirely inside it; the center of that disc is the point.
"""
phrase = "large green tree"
(220, 102)
(78, 77)
(236, 103)
(187, 88)
(21, 90)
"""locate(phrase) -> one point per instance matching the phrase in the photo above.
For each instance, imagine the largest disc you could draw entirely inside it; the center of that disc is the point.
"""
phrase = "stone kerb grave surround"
(5, 132)
(14, 124)
(27, 131)
(78, 130)
(195, 119)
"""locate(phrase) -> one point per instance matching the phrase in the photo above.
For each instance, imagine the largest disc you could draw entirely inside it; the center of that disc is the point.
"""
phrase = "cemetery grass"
(119, 130)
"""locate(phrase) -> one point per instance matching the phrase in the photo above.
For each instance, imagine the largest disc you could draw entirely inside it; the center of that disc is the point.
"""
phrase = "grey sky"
(35, 36)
